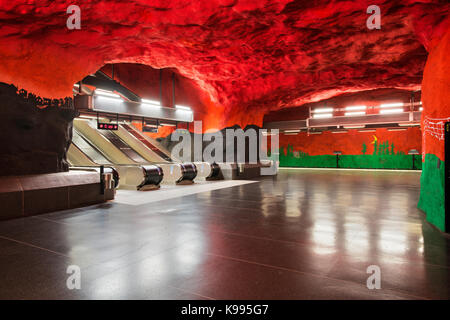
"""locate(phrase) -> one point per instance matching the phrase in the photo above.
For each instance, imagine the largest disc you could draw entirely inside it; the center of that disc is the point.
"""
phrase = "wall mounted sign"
(107, 126)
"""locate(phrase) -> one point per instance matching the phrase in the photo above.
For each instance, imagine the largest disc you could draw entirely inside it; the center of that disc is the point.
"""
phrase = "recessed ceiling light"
(392, 105)
(322, 110)
(105, 93)
(322, 115)
(150, 102)
(180, 107)
(390, 111)
(355, 113)
(354, 108)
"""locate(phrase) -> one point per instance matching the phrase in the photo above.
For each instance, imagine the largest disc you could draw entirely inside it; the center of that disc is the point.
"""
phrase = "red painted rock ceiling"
(246, 56)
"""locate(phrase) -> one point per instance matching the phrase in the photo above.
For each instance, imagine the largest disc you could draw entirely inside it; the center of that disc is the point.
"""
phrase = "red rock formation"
(246, 56)
(144, 81)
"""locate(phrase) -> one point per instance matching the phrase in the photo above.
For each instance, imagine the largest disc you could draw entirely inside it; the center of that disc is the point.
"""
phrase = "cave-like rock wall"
(145, 82)
(34, 137)
(247, 56)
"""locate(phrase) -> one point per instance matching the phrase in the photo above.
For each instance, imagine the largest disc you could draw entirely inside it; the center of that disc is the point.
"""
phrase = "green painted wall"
(383, 157)
(432, 191)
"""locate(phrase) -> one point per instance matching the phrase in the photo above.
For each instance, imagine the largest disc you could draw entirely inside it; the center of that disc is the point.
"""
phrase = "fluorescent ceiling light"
(322, 110)
(421, 109)
(322, 115)
(150, 102)
(390, 111)
(104, 93)
(354, 127)
(403, 129)
(354, 108)
(355, 113)
(392, 105)
(342, 131)
(291, 134)
(315, 132)
(373, 130)
(168, 124)
(409, 124)
(151, 125)
(291, 131)
(182, 107)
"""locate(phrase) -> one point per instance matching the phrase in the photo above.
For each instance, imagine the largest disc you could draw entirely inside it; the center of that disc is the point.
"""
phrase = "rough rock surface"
(436, 106)
(247, 56)
(32, 140)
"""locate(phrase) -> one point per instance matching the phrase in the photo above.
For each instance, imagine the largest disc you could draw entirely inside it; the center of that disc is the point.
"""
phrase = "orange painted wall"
(351, 143)
(436, 94)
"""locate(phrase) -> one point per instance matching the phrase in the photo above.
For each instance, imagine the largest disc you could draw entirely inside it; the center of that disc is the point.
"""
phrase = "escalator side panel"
(146, 142)
(102, 144)
(76, 157)
(122, 146)
(138, 146)
(88, 149)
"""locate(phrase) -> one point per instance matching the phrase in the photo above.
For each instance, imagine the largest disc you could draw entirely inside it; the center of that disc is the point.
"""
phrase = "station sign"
(107, 126)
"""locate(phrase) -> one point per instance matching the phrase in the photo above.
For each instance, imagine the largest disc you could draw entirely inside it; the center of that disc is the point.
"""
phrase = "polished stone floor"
(306, 234)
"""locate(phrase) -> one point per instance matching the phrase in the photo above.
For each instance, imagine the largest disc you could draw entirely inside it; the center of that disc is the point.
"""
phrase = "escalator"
(150, 151)
(122, 146)
(146, 142)
(93, 155)
(98, 150)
